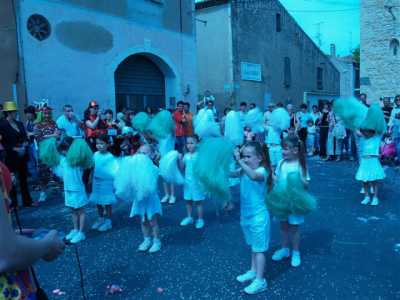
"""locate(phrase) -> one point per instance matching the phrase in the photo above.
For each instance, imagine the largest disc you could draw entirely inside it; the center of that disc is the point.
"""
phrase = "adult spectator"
(364, 99)
(94, 125)
(188, 125)
(292, 114)
(252, 105)
(68, 123)
(387, 109)
(45, 127)
(180, 120)
(15, 142)
(267, 114)
(302, 118)
(242, 113)
(211, 106)
(30, 115)
(18, 254)
(323, 124)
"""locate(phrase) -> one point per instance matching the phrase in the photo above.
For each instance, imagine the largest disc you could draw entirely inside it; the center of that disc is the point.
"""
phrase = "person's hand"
(236, 154)
(55, 246)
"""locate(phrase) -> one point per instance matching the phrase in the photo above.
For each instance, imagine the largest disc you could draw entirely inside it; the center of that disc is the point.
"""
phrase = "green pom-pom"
(80, 155)
(375, 119)
(212, 166)
(141, 121)
(48, 153)
(162, 125)
(290, 197)
(351, 111)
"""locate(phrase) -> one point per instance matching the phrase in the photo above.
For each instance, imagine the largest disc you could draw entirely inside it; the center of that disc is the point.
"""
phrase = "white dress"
(192, 189)
(370, 168)
(254, 216)
(74, 189)
(281, 172)
(105, 168)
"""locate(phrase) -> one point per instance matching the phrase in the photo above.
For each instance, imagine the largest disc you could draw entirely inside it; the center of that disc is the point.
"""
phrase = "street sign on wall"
(249, 71)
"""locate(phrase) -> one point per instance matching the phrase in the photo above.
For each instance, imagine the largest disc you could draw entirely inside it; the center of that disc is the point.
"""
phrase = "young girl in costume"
(193, 191)
(105, 168)
(289, 201)
(76, 156)
(149, 208)
(255, 173)
(370, 170)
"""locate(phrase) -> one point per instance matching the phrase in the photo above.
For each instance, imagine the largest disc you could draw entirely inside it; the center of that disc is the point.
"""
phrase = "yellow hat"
(9, 106)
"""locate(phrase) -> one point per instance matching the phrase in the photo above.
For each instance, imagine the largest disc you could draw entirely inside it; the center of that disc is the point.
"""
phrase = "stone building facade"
(254, 51)
(128, 54)
(380, 48)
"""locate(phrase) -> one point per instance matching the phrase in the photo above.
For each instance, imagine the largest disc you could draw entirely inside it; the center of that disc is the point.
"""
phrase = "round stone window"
(39, 27)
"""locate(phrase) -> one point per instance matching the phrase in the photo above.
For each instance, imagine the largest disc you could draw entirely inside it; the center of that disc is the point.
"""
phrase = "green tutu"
(162, 125)
(375, 119)
(351, 111)
(48, 153)
(80, 155)
(140, 121)
(290, 198)
(212, 166)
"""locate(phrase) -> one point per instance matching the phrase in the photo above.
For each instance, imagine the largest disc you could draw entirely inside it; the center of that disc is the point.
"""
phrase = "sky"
(328, 21)
(335, 21)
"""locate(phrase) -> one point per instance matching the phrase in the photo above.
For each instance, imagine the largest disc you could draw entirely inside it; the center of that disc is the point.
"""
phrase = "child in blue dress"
(105, 168)
(193, 191)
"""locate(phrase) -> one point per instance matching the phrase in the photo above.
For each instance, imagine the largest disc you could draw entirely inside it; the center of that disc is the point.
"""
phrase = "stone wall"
(256, 40)
(379, 66)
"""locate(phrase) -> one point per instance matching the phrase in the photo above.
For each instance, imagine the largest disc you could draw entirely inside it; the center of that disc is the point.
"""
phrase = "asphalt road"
(348, 250)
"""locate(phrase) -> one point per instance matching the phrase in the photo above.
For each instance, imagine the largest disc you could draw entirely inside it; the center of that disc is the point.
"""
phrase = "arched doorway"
(139, 83)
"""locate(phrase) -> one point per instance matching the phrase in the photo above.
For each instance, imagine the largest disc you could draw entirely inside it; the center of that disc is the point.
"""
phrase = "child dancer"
(370, 169)
(193, 192)
(149, 210)
(311, 135)
(70, 169)
(254, 217)
(105, 167)
(294, 161)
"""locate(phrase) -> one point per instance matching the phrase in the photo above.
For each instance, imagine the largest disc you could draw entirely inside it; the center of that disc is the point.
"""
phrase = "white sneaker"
(187, 221)
(79, 237)
(107, 225)
(249, 275)
(375, 201)
(156, 246)
(172, 199)
(199, 224)
(98, 223)
(42, 197)
(281, 254)
(71, 234)
(165, 199)
(145, 245)
(365, 201)
(296, 259)
(257, 286)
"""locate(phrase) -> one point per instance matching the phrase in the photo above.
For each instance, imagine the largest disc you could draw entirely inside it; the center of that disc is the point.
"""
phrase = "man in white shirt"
(69, 123)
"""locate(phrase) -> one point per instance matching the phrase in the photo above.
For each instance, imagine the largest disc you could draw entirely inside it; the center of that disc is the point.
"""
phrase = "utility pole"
(318, 36)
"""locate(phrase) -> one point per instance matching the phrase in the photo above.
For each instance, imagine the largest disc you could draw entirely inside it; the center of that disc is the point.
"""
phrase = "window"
(287, 73)
(278, 23)
(320, 78)
(39, 27)
(394, 46)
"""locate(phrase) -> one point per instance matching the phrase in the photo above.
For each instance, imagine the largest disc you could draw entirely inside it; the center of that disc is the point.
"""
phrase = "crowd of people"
(101, 159)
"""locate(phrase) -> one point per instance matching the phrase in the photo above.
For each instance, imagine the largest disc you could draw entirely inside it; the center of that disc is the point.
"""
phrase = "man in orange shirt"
(188, 125)
(180, 120)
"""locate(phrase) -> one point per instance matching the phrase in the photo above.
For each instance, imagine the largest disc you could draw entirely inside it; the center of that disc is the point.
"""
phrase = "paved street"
(347, 250)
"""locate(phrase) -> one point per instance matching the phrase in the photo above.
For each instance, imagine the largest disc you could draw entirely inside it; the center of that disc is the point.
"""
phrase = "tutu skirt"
(75, 200)
(370, 169)
(148, 207)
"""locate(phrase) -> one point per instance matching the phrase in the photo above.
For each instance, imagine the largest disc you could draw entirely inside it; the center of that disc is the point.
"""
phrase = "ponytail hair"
(262, 151)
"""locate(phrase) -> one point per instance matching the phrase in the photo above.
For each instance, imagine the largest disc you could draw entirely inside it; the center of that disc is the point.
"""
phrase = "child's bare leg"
(295, 236)
(199, 205)
(285, 234)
